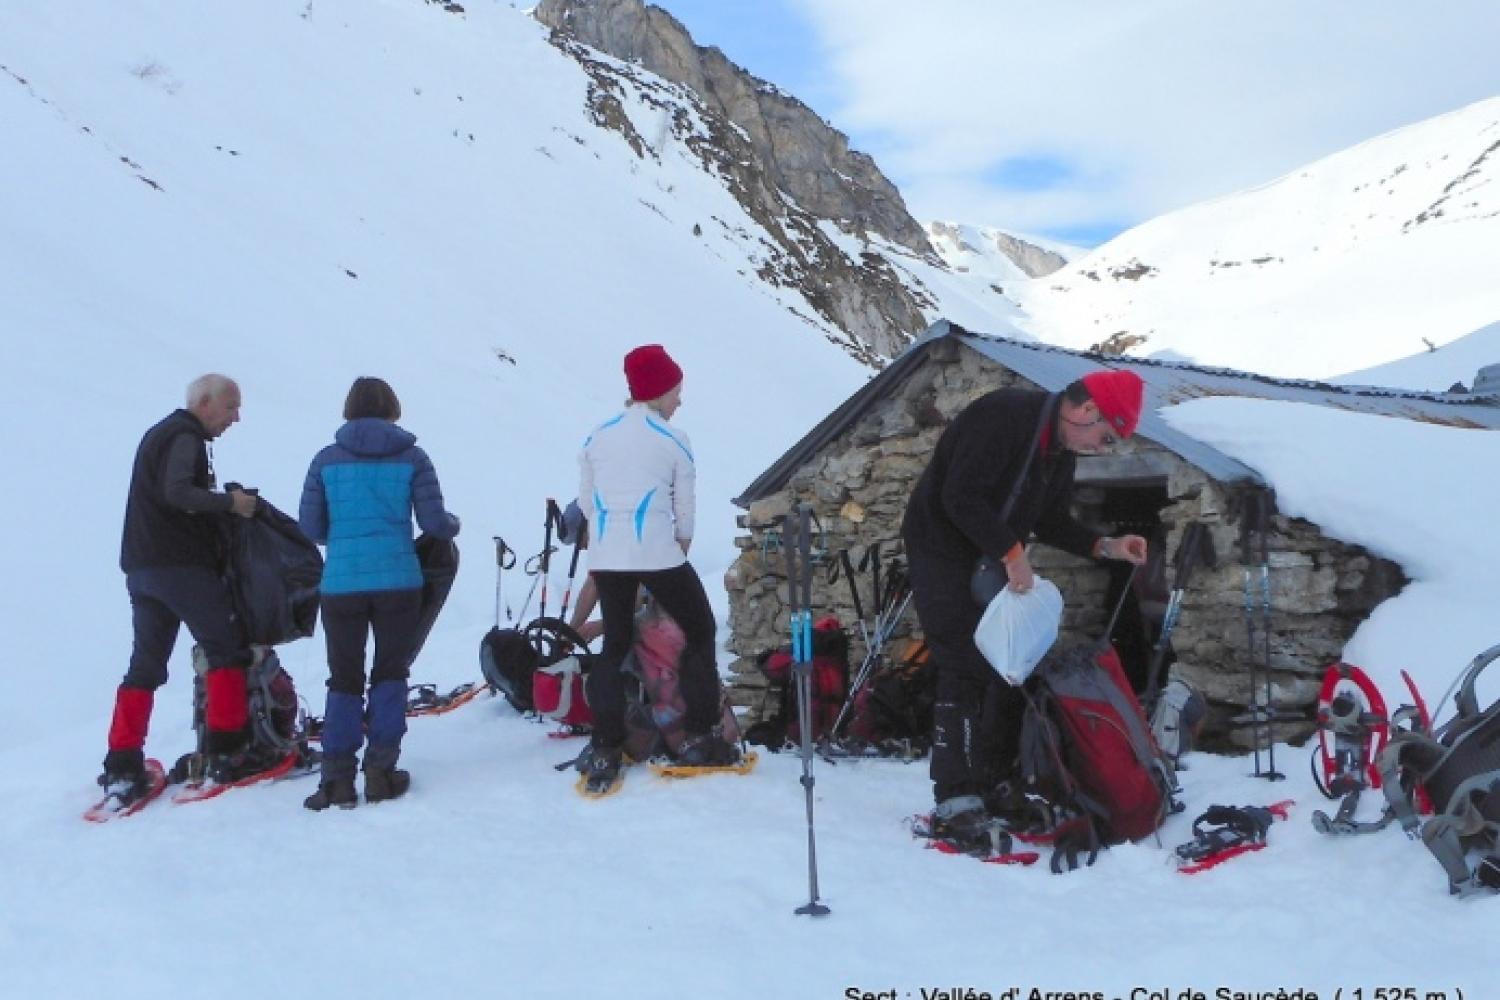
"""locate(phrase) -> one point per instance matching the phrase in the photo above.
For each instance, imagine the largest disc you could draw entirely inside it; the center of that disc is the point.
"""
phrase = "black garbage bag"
(439, 560)
(273, 571)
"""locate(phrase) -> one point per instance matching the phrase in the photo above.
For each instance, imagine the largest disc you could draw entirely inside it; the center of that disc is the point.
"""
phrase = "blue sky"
(1078, 120)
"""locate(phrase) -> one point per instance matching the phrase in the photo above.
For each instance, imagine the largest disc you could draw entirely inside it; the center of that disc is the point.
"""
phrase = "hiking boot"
(383, 783)
(125, 788)
(601, 768)
(710, 749)
(338, 792)
(960, 818)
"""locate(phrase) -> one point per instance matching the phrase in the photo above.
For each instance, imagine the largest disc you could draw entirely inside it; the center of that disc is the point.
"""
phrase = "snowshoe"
(423, 699)
(221, 772)
(1352, 712)
(126, 795)
(1225, 832)
(677, 769)
(710, 749)
(602, 771)
(984, 839)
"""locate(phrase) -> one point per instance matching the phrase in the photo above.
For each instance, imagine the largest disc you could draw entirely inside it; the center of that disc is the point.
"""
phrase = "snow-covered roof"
(1167, 383)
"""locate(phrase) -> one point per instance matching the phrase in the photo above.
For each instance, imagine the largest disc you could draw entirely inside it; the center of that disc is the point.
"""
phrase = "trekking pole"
(554, 516)
(1249, 611)
(501, 565)
(1120, 604)
(887, 613)
(1258, 627)
(572, 572)
(886, 625)
(533, 570)
(864, 634)
(1196, 546)
(1263, 524)
(799, 577)
(848, 571)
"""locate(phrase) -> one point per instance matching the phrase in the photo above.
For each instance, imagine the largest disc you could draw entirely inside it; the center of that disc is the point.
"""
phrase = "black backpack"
(507, 660)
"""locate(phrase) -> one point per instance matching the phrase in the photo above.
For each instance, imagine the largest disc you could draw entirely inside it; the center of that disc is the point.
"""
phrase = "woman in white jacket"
(636, 486)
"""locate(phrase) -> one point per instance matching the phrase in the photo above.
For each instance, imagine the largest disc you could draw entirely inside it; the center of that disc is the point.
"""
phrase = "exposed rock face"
(803, 155)
(1029, 257)
(787, 167)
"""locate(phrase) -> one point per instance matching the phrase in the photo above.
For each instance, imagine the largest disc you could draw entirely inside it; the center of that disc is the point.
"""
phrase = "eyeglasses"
(1107, 440)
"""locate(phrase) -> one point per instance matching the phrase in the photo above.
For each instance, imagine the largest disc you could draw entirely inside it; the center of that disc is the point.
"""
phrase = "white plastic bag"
(1017, 629)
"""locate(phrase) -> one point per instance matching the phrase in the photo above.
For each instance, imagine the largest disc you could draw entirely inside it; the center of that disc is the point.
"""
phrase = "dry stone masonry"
(858, 485)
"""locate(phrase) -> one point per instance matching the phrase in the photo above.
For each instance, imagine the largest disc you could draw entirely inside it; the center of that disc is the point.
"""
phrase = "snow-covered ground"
(323, 142)
(1343, 264)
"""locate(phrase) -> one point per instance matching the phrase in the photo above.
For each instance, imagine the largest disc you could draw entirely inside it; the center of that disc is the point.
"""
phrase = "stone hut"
(857, 468)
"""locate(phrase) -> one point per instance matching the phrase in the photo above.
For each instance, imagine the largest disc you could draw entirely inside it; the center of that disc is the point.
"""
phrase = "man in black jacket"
(172, 557)
(1001, 470)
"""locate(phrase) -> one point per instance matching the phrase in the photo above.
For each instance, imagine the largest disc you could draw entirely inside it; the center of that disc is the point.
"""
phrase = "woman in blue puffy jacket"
(358, 500)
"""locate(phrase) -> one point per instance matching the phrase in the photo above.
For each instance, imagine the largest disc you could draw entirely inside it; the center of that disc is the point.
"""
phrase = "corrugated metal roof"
(1053, 368)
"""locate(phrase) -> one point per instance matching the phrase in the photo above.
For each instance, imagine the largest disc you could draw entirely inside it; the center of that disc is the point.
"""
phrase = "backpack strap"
(1466, 701)
(986, 574)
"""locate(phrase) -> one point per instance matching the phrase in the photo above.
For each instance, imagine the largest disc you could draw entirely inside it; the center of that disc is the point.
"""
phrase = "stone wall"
(859, 484)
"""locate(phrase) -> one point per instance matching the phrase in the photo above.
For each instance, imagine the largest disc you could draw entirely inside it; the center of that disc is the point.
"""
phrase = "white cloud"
(1154, 103)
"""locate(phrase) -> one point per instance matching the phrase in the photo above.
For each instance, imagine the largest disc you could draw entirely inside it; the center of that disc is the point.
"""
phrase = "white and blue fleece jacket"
(636, 486)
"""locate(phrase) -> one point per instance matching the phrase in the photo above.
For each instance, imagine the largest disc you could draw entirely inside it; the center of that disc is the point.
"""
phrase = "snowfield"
(339, 188)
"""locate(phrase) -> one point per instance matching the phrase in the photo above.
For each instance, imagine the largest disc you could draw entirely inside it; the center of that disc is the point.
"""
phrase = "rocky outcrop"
(802, 154)
(1029, 257)
(790, 170)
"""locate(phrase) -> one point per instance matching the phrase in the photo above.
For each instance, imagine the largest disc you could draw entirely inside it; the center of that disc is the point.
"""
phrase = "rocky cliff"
(792, 172)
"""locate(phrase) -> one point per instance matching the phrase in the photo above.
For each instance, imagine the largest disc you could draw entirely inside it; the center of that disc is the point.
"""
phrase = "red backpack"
(1085, 744)
(830, 685)
(563, 658)
(654, 722)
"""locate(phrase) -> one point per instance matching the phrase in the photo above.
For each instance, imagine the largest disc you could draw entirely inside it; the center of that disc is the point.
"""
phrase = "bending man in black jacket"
(172, 557)
(957, 514)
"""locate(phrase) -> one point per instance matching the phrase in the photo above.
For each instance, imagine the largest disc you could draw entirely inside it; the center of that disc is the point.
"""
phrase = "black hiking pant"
(348, 619)
(680, 594)
(162, 600)
(976, 717)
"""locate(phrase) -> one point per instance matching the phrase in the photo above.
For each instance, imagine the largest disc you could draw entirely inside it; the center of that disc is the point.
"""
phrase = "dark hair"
(371, 397)
(1077, 393)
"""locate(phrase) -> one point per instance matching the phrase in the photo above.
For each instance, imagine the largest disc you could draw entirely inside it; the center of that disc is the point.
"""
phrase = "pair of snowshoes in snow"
(602, 770)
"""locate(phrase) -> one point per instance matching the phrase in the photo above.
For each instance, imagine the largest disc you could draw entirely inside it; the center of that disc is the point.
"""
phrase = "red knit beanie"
(1118, 396)
(650, 372)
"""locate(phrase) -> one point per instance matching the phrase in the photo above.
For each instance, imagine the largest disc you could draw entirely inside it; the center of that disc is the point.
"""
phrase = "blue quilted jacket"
(358, 499)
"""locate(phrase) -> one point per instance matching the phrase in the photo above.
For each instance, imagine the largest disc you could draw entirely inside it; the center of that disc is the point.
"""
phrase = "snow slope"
(398, 191)
(1347, 263)
(291, 143)
(1458, 361)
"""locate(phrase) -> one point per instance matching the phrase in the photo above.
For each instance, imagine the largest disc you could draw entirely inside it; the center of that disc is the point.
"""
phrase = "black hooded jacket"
(954, 511)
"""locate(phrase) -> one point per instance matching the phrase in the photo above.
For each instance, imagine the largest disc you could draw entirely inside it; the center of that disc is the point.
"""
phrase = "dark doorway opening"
(1134, 508)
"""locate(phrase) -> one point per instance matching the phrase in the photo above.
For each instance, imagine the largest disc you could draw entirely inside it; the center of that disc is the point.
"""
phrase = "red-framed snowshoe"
(1352, 717)
(109, 807)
